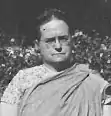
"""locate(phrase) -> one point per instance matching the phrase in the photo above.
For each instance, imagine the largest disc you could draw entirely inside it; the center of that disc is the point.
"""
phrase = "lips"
(58, 54)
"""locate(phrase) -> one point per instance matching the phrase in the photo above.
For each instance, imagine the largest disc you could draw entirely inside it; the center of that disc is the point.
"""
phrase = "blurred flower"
(21, 55)
(78, 33)
(101, 54)
(12, 40)
(103, 47)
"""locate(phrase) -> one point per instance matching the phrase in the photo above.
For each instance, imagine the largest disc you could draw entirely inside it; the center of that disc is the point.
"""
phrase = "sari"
(72, 92)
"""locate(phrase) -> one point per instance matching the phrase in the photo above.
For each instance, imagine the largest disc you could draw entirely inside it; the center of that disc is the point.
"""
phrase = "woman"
(58, 87)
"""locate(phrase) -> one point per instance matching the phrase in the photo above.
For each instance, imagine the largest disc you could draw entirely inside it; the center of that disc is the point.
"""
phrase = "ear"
(36, 45)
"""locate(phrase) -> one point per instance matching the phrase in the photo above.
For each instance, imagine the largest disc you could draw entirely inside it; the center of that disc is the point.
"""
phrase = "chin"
(59, 60)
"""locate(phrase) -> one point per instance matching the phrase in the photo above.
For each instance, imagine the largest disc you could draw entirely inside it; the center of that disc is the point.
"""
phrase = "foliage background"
(88, 48)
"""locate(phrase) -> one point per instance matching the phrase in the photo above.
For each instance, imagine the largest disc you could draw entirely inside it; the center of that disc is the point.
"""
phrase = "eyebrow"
(58, 36)
(49, 39)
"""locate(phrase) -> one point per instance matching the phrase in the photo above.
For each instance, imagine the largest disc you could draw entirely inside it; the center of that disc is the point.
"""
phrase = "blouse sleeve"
(14, 91)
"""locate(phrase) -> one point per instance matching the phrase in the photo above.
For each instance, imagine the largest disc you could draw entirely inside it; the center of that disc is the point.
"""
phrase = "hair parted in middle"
(48, 15)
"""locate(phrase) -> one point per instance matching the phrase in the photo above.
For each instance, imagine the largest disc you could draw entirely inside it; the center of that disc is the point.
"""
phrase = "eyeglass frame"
(63, 40)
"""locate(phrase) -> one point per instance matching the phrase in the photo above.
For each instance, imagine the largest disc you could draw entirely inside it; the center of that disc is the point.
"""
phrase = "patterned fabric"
(24, 80)
(74, 92)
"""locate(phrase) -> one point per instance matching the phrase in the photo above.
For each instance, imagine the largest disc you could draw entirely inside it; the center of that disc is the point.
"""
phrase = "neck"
(57, 67)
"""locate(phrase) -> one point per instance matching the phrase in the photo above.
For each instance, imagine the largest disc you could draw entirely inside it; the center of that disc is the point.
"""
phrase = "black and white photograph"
(55, 57)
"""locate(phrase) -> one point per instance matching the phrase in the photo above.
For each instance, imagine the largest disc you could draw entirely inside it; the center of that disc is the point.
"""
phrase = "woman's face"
(55, 43)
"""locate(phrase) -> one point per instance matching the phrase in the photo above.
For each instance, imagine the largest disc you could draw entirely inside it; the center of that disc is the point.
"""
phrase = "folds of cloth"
(69, 93)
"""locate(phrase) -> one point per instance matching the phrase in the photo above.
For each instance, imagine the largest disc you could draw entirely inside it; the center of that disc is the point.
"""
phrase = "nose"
(58, 45)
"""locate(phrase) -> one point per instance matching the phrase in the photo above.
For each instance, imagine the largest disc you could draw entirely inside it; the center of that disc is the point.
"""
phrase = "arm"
(11, 97)
(107, 100)
(107, 110)
(8, 109)
(103, 87)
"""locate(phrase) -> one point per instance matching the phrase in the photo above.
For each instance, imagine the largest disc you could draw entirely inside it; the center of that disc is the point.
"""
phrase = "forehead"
(54, 28)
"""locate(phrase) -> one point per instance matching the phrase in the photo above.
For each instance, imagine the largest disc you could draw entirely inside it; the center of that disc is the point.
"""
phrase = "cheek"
(69, 43)
(45, 50)
(67, 48)
(45, 47)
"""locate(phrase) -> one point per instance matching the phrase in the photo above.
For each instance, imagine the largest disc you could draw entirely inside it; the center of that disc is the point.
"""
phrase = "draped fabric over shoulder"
(69, 93)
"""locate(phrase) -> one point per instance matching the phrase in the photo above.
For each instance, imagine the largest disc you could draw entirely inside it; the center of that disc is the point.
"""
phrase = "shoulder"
(23, 80)
(93, 74)
(33, 71)
(98, 79)
(27, 77)
(82, 68)
(95, 79)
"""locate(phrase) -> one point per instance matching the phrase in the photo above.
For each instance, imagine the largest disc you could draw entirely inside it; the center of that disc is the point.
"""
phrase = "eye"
(64, 38)
(48, 40)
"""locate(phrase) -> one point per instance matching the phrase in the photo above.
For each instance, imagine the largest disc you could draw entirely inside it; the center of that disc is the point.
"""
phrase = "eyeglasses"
(63, 40)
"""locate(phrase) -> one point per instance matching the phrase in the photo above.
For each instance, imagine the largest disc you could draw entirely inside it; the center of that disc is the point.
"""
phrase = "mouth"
(58, 54)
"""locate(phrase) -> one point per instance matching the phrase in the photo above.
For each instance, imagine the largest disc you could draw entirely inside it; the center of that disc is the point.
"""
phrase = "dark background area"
(19, 16)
